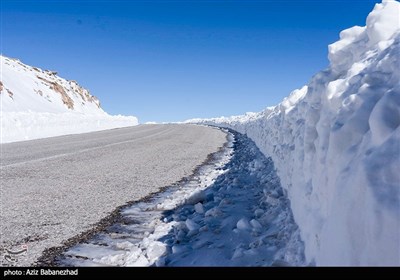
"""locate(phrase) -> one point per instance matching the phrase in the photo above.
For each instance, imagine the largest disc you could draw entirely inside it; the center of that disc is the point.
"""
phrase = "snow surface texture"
(37, 103)
(336, 146)
(232, 213)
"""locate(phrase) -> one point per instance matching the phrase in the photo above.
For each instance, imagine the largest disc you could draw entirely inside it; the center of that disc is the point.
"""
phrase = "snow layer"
(336, 146)
(37, 103)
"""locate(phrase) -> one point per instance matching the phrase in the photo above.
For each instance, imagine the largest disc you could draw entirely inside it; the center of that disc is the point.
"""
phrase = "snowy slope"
(336, 146)
(37, 103)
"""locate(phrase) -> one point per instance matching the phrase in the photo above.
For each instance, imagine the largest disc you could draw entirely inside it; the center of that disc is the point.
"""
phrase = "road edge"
(49, 255)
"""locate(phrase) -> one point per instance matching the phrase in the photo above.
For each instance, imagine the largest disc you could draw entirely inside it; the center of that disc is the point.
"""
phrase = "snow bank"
(20, 126)
(336, 146)
(37, 103)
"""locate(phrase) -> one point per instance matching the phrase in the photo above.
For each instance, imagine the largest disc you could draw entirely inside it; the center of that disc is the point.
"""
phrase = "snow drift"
(37, 103)
(336, 146)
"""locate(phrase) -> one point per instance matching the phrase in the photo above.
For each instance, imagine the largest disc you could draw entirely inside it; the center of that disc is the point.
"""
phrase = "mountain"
(37, 103)
(336, 146)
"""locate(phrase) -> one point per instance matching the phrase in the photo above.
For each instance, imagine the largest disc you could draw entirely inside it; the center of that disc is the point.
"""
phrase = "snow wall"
(336, 146)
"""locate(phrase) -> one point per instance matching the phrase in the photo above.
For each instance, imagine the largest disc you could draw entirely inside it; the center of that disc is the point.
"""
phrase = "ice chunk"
(191, 225)
(199, 208)
(243, 224)
(155, 250)
(255, 224)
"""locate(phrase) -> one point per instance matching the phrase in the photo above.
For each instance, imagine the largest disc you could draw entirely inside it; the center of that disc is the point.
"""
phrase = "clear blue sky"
(174, 60)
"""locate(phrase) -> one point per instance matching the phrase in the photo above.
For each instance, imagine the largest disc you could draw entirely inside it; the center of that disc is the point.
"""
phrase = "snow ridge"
(335, 144)
(37, 103)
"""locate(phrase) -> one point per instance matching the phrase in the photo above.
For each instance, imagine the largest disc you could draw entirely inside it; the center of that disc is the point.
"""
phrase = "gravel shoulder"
(55, 188)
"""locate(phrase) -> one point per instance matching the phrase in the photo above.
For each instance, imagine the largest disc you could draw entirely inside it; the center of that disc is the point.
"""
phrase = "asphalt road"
(55, 188)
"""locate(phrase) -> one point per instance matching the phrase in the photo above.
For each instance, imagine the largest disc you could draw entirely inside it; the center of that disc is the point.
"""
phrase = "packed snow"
(37, 103)
(336, 146)
(232, 212)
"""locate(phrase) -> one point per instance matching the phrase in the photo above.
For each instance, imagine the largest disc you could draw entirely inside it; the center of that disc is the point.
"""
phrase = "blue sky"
(174, 60)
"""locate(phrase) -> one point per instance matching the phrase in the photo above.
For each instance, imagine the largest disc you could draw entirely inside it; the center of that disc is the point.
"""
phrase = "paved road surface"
(55, 188)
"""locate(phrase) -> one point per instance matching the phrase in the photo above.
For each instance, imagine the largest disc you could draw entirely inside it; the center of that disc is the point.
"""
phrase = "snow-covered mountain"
(336, 146)
(37, 103)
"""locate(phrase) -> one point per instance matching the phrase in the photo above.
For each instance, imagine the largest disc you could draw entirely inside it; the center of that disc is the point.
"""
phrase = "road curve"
(55, 188)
